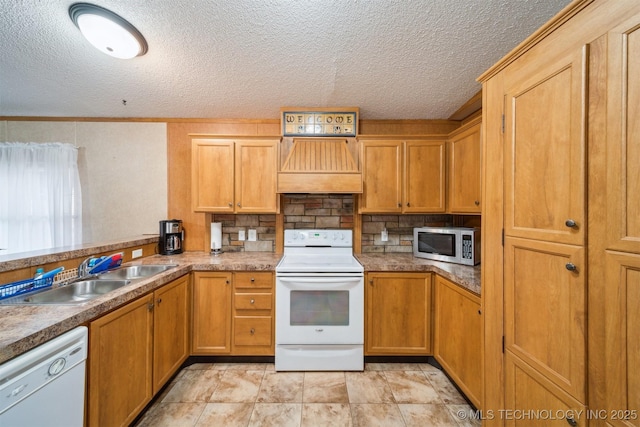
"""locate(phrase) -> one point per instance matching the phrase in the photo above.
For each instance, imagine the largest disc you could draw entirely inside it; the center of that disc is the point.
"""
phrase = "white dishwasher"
(45, 386)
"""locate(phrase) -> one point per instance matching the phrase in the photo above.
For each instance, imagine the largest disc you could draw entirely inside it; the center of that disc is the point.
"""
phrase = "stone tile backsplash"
(323, 211)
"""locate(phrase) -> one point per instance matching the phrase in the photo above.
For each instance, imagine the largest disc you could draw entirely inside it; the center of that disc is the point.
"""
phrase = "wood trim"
(468, 108)
(557, 21)
(492, 250)
(138, 119)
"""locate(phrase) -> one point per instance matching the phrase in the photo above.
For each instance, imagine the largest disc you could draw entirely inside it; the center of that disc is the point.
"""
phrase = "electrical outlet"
(384, 236)
(137, 253)
(241, 235)
(252, 235)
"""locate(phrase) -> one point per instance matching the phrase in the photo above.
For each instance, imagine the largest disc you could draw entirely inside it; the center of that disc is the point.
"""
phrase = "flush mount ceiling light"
(107, 31)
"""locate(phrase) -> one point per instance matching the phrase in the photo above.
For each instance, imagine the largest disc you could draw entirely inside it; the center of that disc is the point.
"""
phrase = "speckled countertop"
(24, 327)
(465, 276)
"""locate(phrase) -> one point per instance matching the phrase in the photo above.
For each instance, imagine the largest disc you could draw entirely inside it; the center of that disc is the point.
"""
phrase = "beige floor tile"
(411, 387)
(447, 392)
(376, 415)
(194, 386)
(276, 415)
(281, 387)
(428, 368)
(368, 387)
(246, 366)
(326, 415)
(432, 415)
(238, 386)
(325, 387)
(172, 415)
(225, 414)
(465, 415)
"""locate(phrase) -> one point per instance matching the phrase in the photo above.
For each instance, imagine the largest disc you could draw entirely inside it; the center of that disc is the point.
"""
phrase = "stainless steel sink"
(74, 293)
(135, 272)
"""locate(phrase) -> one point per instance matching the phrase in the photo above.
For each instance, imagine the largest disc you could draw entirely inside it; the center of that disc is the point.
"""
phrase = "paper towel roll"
(216, 235)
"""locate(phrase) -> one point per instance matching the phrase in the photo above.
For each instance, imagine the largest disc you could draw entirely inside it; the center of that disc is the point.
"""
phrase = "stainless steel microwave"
(459, 245)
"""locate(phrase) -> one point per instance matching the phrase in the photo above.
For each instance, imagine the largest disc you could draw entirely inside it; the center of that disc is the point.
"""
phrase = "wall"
(123, 172)
(323, 211)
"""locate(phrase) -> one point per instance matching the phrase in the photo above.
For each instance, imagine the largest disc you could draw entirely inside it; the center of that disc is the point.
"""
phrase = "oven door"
(320, 310)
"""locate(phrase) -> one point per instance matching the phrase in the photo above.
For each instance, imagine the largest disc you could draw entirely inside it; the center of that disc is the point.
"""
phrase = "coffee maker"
(171, 237)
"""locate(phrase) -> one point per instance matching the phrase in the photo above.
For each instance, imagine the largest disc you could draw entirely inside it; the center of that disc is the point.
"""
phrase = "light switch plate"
(252, 235)
(384, 235)
(241, 235)
(136, 253)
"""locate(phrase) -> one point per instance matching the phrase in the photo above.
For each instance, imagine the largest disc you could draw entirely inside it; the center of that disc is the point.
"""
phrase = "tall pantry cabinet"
(561, 230)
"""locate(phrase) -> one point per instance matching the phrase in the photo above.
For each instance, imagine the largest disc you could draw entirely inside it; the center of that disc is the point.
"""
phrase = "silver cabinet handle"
(230, 204)
(252, 331)
(252, 301)
(570, 223)
(477, 202)
(571, 266)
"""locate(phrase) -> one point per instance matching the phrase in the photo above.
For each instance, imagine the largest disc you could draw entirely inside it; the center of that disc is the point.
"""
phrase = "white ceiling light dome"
(107, 31)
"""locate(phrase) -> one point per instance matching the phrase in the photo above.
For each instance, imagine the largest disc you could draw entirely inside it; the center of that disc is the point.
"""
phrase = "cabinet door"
(212, 293)
(544, 142)
(381, 176)
(212, 175)
(424, 177)
(457, 331)
(120, 364)
(464, 171)
(545, 310)
(398, 315)
(170, 330)
(533, 401)
(622, 346)
(256, 175)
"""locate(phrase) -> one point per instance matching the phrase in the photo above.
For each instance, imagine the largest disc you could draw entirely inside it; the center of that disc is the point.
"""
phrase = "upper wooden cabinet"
(545, 143)
(465, 176)
(234, 174)
(403, 176)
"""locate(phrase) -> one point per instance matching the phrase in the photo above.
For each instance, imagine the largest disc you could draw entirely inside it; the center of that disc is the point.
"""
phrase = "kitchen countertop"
(466, 276)
(26, 326)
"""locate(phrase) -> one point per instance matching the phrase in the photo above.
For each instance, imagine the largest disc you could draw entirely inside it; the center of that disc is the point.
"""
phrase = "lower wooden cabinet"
(212, 292)
(398, 314)
(123, 375)
(253, 316)
(457, 332)
(233, 313)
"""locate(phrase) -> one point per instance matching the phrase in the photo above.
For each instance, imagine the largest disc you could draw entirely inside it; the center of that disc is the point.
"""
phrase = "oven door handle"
(324, 280)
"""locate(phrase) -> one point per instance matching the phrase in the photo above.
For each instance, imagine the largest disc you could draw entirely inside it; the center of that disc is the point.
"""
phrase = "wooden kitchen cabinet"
(253, 315)
(398, 314)
(403, 176)
(171, 326)
(233, 313)
(457, 336)
(212, 296)
(133, 351)
(465, 177)
(234, 174)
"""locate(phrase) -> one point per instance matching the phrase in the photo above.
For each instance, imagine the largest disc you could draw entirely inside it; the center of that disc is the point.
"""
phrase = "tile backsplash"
(322, 211)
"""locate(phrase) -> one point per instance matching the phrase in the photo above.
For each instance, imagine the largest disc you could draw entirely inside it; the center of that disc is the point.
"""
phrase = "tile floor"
(385, 394)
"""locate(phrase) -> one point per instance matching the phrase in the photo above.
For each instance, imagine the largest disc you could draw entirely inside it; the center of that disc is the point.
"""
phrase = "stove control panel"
(326, 238)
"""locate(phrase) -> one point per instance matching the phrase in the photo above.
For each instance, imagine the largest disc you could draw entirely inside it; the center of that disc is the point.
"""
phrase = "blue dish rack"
(23, 286)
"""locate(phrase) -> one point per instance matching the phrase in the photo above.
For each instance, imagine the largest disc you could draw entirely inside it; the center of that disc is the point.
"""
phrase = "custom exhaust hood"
(319, 166)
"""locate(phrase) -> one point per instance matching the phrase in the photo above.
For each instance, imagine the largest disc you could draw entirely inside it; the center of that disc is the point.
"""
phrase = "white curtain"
(40, 197)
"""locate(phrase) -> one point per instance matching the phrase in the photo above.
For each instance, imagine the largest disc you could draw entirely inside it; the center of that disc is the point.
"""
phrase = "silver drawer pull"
(252, 301)
(252, 331)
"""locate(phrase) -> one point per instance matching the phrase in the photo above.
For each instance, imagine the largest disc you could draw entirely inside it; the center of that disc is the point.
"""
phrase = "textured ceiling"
(395, 59)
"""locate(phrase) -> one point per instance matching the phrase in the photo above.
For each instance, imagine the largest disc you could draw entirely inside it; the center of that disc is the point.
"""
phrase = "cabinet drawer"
(254, 280)
(252, 331)
(253, 301)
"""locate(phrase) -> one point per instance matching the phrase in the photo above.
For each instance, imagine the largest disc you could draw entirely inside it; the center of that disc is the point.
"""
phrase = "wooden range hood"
(319, 166)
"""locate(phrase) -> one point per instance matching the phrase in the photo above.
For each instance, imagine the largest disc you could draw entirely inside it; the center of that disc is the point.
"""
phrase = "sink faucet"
(83, 268)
